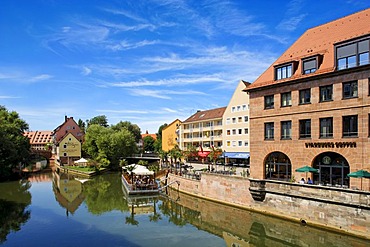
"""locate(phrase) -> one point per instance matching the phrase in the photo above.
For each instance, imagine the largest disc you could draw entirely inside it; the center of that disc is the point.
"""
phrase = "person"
(309, 181)
(302, 181)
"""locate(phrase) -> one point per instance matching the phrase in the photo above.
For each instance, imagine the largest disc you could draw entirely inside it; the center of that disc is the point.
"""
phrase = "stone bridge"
(43, 153)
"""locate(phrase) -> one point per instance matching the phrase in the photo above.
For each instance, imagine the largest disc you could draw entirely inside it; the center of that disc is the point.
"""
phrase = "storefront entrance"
(333, 170)
(278, 167)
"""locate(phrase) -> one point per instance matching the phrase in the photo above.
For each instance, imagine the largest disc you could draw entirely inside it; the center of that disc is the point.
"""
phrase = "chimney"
(65, 118)
(146, 132)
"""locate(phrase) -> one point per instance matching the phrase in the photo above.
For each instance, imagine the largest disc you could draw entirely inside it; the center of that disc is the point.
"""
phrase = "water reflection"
(14, 199)
(68, 192)
(103, 212)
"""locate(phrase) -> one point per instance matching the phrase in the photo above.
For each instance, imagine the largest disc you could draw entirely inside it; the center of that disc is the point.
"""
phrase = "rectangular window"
(234, 143)
(305, 128)
(228, 132)
(245, 118)
(238, 108)
(240, 143)
(283, 72)
(305, 96)
(65, 146)
(228, 143)
(350, 127)
(244, 107)
(286, 130)
(234, 120)
(350, 90)
(240, 131)
(326, 127)
(228, 121)
(269, 102)
(269, 131)
(309, 66)
(234, 131)
(233, 109)
(65, 154)
(246, 143)
(286, 99)
(326, 93)
(240, 119)
(246, 131)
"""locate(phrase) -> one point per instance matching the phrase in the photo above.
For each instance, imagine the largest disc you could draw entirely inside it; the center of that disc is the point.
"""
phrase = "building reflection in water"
(68, 191)
(240, 227)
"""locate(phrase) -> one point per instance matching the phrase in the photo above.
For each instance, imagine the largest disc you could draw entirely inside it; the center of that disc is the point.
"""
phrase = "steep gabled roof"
(205, 115)
(319, 40)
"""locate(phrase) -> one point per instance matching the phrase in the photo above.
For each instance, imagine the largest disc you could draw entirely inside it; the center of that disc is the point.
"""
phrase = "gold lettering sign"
(330, 145)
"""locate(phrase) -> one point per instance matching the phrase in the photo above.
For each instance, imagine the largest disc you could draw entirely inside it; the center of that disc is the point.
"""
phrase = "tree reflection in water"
(14, 199)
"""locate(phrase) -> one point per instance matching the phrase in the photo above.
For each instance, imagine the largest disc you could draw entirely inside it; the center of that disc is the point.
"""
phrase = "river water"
(60, 210)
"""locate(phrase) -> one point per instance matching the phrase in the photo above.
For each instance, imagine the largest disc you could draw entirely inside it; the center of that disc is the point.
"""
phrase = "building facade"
(312, 107)
(68, 150)
(40, 140)
(236, 127)
(170, 135)
(203, 129)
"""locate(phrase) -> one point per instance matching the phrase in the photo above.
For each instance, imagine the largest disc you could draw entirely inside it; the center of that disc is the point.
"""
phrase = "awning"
(236, 155)
(203, 154)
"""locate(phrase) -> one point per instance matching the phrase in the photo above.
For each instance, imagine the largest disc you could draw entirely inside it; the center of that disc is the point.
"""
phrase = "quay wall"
(337, 209)
(236, 225)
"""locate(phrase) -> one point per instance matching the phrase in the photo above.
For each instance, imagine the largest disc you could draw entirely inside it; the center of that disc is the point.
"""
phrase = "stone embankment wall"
(334, 208)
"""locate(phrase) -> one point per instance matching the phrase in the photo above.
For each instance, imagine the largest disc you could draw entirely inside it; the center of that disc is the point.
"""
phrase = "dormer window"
(353, 54)
(309, 65)
(284, 71)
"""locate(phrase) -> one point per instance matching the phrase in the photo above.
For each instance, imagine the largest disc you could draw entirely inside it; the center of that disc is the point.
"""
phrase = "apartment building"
(236, 127)
(170, 135)
(204, 130)
(312, 106)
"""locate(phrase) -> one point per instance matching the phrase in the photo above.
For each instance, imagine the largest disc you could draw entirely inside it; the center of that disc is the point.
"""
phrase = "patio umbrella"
(306, 169)
(359, 174)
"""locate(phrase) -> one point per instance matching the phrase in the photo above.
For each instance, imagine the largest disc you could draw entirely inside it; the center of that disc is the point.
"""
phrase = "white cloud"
(40, 78)
(8, 97)
(86, 71)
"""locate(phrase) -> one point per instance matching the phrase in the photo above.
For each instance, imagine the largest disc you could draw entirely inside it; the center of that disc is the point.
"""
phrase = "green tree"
(148, 144)
(82, 125)
(214, 155)
(108, 146)
(133, 128)
(14, 146)
(99, 120)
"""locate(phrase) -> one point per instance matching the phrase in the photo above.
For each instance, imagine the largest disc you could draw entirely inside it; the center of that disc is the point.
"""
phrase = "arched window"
(333, 169)
(278, 166)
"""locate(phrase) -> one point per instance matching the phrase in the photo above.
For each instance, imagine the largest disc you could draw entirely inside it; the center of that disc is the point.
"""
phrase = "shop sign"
(330, 144)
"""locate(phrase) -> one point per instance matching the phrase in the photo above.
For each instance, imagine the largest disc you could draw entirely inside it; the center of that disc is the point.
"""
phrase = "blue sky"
(147, 62)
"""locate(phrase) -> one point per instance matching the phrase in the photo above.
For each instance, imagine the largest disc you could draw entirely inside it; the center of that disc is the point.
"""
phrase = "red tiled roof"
(205, 115)
(39, 137)
(319, 40)
(154, 136)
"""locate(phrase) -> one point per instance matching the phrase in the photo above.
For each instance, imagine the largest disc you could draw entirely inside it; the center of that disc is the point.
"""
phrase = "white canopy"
(140, 170)
(82, 160)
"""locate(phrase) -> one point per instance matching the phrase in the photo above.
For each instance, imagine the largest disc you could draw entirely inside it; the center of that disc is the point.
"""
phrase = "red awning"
(203, 154)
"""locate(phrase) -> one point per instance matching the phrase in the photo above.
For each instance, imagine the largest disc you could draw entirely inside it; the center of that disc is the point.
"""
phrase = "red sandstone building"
(312, 107)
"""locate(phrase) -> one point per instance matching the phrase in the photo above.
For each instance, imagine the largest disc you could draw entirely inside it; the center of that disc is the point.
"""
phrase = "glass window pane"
(346, 51)
(364, 59)
(363, 46)
(351, 62)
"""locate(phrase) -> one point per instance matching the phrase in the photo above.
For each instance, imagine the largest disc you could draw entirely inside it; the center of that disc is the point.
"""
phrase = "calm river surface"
(59, 210)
